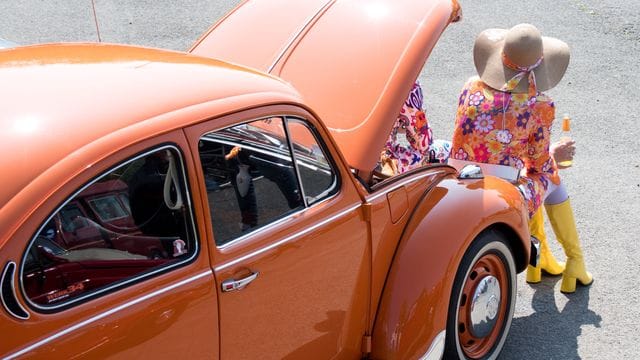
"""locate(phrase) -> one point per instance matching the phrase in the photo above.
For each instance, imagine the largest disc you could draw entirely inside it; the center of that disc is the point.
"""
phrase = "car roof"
(58, 99)
(353, 61)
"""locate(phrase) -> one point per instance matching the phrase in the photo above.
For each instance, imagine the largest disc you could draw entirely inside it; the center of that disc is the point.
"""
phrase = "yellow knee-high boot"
(548, 262)
(564, 226)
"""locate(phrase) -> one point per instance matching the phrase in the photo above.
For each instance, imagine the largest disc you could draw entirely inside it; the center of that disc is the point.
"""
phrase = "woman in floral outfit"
(505, 120)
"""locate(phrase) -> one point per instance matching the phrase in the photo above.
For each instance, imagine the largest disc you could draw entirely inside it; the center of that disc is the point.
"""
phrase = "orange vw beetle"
(223, 203)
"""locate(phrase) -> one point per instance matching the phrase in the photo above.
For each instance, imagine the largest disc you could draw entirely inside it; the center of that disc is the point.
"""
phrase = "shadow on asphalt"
(550, 333)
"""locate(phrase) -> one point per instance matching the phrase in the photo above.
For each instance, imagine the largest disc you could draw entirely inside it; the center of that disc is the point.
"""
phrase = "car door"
(144, 290)
(291, 248)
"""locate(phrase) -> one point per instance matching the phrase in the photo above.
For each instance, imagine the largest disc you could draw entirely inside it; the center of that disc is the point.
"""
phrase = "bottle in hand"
(566, 136)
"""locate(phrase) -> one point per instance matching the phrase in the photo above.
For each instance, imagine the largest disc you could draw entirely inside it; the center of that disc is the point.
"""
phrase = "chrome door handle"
(233, 284)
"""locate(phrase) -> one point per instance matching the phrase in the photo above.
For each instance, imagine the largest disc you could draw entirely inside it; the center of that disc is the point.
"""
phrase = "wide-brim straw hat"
(523, 45)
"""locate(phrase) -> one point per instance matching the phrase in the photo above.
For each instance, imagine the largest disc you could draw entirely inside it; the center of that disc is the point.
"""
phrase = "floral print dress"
(411, 142)
(411, 135)
(510, 129)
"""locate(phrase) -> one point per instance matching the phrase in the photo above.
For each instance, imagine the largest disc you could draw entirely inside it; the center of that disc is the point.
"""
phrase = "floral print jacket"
(510, 129)
(411, 135)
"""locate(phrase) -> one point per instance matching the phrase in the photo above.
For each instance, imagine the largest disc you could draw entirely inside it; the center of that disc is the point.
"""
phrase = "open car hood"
(353, 61)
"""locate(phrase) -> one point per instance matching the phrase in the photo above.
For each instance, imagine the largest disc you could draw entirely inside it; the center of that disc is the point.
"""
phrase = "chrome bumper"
(534, 257)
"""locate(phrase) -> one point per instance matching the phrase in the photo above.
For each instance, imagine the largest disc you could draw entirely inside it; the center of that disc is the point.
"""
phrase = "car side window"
(252, 178)
(132, 221)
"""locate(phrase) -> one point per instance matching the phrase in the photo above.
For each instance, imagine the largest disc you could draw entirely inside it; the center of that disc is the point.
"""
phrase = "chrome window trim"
(403, 183)
(323, 148)
(67, 303)
(13, 289)
(106, 314)
(296, 169)
(287, 239)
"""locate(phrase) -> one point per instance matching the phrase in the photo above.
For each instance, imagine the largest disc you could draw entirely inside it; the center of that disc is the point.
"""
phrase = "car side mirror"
(471, 171)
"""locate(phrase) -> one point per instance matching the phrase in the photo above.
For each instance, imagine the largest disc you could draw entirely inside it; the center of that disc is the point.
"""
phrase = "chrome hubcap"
(484, 306)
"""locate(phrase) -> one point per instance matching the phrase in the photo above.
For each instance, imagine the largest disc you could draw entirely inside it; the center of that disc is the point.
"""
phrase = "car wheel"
(482, 300)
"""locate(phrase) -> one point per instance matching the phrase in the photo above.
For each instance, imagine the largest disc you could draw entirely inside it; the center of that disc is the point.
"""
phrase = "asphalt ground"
(599, 91)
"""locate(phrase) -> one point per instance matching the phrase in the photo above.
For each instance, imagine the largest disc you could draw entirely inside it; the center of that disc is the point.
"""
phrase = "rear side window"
(259, 172)
(131, 222)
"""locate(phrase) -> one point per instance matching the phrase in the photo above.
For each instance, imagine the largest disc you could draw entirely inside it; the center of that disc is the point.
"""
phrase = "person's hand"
(233, 153)
(563, 150)
(388, 165)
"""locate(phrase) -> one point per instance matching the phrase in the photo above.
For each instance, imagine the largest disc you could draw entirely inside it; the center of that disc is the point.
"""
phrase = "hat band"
(522, 72)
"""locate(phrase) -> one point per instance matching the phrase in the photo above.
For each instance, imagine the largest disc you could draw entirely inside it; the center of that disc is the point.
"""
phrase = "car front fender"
(412, 311)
